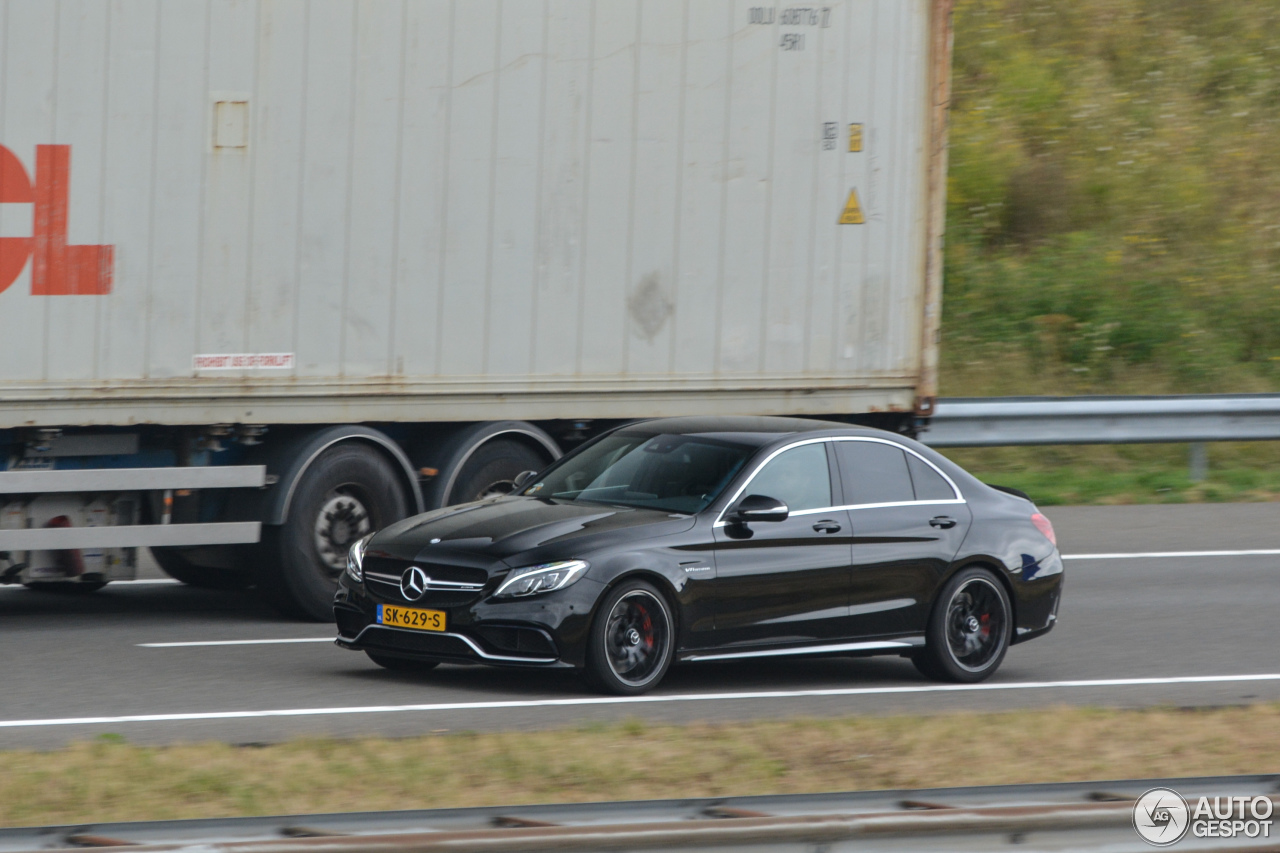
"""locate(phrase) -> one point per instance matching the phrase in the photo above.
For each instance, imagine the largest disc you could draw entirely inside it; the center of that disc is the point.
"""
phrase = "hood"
(508, 526)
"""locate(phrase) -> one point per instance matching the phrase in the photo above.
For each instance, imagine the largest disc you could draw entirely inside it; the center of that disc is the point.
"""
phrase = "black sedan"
(701, 539)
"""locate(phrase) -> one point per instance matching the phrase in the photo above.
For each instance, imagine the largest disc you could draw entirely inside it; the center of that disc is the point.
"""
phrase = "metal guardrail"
(1077, 816)
(1007, 421)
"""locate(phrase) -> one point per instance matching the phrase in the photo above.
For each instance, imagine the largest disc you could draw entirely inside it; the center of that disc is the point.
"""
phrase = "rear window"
(874, 473)
(928, 483)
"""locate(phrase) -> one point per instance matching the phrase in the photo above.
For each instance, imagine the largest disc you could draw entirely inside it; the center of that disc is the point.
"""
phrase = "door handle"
(942, 522)
(826, 526)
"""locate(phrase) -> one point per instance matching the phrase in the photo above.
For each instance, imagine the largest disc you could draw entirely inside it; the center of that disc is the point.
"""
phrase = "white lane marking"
(235, 642)
(1161, 555)
(137, 582)
(633, 700)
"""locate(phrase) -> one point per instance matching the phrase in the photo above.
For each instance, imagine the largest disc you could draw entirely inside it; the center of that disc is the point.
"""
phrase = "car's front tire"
(969, 629)
(632, 640)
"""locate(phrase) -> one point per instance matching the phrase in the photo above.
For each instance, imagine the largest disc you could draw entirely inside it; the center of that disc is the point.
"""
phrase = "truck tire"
(176, 565)
(491, 470)
(350, 490)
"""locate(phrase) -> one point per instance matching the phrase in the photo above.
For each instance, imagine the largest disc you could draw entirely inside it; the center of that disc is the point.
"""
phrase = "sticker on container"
(244, 361)
(855, 138)
(852, 214)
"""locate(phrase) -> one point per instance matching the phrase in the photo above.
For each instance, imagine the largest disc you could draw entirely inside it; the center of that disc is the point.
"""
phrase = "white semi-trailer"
(277, 272)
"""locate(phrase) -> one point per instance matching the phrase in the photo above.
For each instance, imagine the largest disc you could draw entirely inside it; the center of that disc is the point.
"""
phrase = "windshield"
(677, 473)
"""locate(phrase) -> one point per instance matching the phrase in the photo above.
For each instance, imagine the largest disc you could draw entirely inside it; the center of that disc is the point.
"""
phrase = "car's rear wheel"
(969, 629)
(406, 665)
(632, 640)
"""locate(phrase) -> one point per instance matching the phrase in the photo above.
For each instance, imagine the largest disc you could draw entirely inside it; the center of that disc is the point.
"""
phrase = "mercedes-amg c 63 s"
(702, 539)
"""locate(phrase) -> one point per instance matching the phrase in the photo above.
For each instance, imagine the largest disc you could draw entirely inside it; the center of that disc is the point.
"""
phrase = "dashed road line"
(1168, 555)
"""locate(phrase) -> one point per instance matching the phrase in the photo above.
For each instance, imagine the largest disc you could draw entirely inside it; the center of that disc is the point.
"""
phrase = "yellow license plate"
(411, 617)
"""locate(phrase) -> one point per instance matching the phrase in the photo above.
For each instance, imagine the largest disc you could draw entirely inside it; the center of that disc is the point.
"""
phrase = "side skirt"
(869, 646)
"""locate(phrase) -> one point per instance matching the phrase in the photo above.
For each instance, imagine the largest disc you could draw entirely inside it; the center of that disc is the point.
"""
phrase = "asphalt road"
(1184, 630)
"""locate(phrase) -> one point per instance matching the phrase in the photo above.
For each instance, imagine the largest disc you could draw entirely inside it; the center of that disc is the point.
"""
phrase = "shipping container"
(238, 237)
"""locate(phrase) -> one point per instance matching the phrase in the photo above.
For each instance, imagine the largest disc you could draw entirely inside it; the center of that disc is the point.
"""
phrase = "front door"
(786, 581)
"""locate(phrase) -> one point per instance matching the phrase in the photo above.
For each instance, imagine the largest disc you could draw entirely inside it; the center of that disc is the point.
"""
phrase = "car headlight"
(355, 558)
(545, 577)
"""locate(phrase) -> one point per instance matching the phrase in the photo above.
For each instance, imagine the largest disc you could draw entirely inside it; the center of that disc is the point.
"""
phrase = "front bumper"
(546, 631)
(441, 646)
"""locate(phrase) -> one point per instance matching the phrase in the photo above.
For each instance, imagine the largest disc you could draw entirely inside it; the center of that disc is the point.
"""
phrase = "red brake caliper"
(647, 627)
(986, 625)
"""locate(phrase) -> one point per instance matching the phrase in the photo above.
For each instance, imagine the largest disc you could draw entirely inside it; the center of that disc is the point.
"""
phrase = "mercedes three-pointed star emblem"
(413, 583)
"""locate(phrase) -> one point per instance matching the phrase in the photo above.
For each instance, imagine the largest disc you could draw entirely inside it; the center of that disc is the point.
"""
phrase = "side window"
(798, 477)
(929, 483)
(873, 473)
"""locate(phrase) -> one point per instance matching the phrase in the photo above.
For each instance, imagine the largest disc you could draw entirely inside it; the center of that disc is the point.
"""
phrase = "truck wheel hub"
(342, 520)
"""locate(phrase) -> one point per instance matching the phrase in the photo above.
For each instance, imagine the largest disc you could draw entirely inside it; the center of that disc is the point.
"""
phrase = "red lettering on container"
(59, 269)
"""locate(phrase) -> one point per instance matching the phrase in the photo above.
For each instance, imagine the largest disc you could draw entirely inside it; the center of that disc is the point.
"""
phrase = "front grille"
(450, 586)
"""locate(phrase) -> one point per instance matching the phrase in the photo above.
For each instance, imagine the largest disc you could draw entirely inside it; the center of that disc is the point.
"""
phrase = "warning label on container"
(244, 361)
(852, 214)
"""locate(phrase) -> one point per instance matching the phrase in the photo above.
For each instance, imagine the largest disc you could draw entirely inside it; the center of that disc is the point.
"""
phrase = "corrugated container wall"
(339, 210)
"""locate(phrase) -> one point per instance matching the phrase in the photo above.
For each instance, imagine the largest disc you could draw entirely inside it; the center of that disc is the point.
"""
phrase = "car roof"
(755, 431)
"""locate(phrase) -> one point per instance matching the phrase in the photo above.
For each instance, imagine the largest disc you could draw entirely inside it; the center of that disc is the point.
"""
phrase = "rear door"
(908, 522)
(786, 581)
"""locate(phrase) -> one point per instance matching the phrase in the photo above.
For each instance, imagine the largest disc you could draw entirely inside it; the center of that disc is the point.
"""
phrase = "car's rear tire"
(405, 665)
(349, 491)
(632, 640)
(969, 629)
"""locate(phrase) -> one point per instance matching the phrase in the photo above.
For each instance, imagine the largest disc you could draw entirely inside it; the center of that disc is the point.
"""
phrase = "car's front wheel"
(632, 640)
(969, 629)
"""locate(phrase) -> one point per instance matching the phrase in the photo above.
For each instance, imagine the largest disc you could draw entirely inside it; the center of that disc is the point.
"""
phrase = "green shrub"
(1113, 205)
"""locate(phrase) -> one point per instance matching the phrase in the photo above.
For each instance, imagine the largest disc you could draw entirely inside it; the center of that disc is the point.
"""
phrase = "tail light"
(1045, 526)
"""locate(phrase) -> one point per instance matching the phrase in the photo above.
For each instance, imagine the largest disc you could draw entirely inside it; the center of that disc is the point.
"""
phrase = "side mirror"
(759, 508)
(521, 478)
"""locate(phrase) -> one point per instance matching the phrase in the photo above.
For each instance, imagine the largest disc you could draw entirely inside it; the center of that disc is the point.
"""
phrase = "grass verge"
(110, 779)
(1128, 474)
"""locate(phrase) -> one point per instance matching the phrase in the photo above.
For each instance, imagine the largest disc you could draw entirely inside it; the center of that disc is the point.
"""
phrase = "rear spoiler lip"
(1010, 490)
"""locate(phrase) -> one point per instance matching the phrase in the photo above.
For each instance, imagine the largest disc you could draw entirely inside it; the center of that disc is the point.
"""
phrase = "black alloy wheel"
(349, 491)
(632, 640)
(404, 665)
(969, 629)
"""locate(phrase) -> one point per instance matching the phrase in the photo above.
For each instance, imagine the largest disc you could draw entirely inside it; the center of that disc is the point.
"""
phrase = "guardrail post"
(1199, 462)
